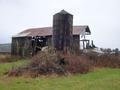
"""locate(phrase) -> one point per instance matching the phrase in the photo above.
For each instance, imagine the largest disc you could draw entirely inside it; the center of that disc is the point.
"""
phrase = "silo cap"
(64, 12)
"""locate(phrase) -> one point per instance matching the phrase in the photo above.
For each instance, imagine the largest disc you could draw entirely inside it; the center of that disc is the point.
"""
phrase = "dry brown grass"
(52, 62)
(105, 60)
(8, 58)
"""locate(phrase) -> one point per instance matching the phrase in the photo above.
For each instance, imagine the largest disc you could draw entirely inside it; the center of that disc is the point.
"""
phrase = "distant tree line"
(115, 51)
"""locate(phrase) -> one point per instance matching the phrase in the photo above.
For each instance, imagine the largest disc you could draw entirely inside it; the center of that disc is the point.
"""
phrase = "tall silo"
(62, 31)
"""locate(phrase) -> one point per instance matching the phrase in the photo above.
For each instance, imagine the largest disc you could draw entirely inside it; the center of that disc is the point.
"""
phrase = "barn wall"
(76, 43)
(21, 46)
(49, 41)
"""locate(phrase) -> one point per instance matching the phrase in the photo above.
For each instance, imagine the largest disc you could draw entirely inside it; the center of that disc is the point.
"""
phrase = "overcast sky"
(102, 16)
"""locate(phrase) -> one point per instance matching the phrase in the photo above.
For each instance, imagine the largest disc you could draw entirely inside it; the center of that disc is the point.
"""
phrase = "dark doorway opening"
(38, 42)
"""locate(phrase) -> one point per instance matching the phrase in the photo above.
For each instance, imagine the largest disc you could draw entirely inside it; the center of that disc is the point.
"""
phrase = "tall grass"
(9, 58)
(104, 60)
(53, 62)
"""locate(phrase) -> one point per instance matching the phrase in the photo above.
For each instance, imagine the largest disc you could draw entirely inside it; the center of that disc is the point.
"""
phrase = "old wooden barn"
(62, 36)
(22, 42)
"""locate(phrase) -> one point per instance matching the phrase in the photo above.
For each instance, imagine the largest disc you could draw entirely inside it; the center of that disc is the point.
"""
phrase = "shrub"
(78, 64)
(53, 62)
(46, 62)
(104, 60)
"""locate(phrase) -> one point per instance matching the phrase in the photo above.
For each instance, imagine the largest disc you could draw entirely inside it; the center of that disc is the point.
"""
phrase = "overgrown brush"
(53, 62)
(104, 60)
(78, 64)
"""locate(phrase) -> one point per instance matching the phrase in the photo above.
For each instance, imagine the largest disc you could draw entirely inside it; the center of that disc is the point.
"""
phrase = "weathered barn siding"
(21, 46)
(62, 31)
(49, 41)
(76, 43)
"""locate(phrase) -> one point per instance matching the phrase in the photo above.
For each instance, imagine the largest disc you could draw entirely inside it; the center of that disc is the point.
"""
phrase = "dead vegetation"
(104, 60)
(8, 58)
(52, 62)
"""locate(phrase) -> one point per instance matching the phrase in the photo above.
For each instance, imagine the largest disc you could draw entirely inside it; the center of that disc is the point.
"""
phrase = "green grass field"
(100, 79)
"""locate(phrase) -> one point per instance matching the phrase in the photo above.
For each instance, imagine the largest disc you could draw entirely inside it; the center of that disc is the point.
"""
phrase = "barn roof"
(47, 31)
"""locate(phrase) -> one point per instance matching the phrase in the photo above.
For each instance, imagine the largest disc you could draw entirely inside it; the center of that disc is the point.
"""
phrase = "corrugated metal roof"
(47, 31)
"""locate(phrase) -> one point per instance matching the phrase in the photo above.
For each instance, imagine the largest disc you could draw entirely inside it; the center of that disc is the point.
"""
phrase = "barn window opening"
(38, 42)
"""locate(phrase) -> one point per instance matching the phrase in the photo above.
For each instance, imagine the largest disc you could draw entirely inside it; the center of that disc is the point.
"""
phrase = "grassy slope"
(100, 79)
